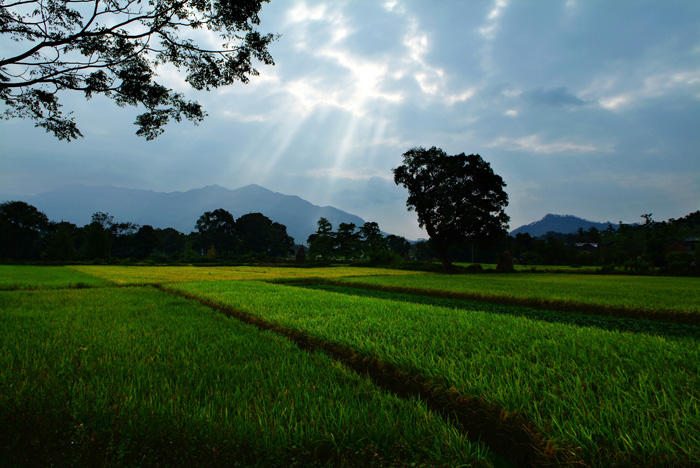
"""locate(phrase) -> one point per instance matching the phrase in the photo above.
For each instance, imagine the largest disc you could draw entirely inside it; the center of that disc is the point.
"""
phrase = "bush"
(385, 258)
(505, 263)
(474, 268)
(679, 263)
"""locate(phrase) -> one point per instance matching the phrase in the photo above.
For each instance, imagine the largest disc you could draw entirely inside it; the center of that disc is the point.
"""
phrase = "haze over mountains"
(180, 210)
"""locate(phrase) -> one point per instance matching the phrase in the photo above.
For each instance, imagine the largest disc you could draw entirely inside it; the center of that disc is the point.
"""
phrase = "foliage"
(505, 263)
(217, 233)
(638, 248)
(21, 228)
(260, 235)
(457, 198)
(321, 242)
(116, 49)
(349, 243)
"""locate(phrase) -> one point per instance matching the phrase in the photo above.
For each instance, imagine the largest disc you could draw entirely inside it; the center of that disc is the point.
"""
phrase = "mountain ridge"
(563, 224)
(180, 210)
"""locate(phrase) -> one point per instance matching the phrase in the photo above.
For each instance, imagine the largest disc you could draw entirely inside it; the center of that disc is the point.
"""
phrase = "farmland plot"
(136, 377)
(129, 275)
(14, 277)
(669, 297)
(604, 398)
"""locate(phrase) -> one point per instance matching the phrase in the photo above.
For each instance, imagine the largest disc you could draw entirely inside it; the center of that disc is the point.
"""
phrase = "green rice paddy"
(96, 373)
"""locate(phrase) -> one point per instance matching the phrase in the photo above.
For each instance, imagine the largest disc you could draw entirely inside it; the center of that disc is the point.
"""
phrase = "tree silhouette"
(114, 48)
(373, 242)
(347, 241)
(457, 198)
(21, 228)
(260, 235)
(217, 229)
(321, 242)
(99, 237)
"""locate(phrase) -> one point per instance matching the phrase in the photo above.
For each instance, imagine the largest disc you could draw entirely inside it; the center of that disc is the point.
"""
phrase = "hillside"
(565, 224)
(180, 210)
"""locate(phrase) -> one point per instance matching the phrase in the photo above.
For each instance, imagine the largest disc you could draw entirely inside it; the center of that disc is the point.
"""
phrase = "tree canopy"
(21, 226)
(217, 231)
(115, 47)
(260, 235)
(457, 198)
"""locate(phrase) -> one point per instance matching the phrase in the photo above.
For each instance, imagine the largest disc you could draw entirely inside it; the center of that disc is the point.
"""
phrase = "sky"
(589, 108)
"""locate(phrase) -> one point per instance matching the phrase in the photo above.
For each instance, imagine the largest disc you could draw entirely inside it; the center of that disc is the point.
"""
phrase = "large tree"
(457, 198)
(217, 230)
(260, 235)
(114, 48)
(321, 242)
(21, 228)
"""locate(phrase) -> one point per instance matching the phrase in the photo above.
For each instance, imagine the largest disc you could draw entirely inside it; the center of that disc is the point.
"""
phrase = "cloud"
(653, 86)
(553, 97)
(338, 173)
(490, 27)
(533, 143)
(357, 83)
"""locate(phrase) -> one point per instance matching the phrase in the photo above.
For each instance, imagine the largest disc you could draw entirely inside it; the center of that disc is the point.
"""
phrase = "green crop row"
(605, 398)
(624, 324)
(14, 277)
(649, 296)
(138, 377)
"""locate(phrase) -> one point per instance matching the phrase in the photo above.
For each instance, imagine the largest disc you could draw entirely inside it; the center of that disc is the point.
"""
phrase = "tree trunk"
(441, 250)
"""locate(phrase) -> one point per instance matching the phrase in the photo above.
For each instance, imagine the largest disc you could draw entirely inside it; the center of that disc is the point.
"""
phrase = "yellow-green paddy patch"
(124, 275)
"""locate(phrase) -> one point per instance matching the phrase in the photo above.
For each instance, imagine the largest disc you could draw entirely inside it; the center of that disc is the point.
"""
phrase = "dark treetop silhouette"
(113, 48)
(457, 198)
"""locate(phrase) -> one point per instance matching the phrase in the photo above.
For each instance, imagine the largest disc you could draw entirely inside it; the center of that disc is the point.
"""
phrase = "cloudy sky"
(589, 108)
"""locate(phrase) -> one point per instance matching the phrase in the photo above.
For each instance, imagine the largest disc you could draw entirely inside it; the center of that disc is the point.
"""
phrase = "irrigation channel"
(516, 442)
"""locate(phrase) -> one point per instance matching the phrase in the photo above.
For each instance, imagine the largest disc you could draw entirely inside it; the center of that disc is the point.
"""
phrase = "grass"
(130, 275)
(651, 297)
(603, 397)
(13, 277)
(137, 377)
(623, 324)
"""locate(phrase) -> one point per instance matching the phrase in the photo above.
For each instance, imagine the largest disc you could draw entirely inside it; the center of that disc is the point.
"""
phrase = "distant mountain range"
(181, 210)
(565, 224)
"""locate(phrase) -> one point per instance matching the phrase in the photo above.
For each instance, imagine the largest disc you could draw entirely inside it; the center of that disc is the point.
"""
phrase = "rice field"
(130, 275)
(127, 377)
(649, 296)
(31, 277)
(599, 396)
(424, 371)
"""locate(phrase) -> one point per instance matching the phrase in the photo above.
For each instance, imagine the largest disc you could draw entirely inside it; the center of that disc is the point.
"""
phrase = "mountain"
(180, 210)
(565, 224)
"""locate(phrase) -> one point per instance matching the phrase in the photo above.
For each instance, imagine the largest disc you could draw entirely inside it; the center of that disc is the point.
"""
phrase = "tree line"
(28, 234)
(670, 246)
(352, 243)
